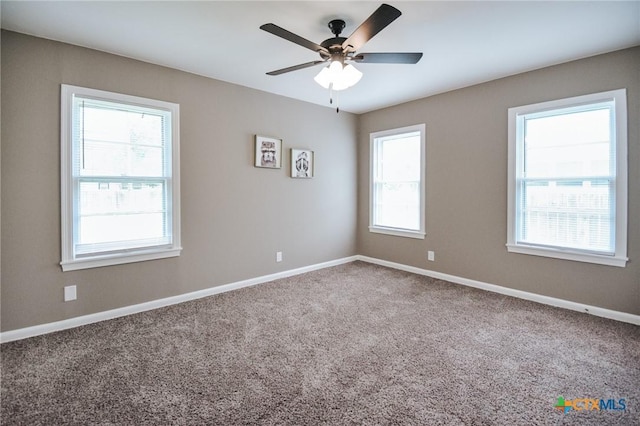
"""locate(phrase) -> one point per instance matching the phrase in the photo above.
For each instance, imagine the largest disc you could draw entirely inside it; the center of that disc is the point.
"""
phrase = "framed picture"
(301, 163)
(268, 152)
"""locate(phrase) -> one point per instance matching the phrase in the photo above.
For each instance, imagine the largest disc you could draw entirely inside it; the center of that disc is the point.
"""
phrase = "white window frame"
(71, 261)
(516, 165)
(400, 232)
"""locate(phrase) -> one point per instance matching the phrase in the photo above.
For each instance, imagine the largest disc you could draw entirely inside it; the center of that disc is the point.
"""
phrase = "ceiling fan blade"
(387, 58)
(295, 68)
(375, 23)
(294, 38)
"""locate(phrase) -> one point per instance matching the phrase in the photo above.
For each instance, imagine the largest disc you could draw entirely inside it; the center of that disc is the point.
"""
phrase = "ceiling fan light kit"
(337, 77)
(340, 74)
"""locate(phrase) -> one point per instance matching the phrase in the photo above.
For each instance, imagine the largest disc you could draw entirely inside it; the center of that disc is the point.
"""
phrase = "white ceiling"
(464, 43)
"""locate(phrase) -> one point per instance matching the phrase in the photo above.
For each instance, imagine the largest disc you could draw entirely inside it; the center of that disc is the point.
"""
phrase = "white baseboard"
(37, 330)
(546, 300)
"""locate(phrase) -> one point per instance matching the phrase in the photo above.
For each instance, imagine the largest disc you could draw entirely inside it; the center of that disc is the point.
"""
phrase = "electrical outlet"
(278, 256)
(70, 293)
(431, 256)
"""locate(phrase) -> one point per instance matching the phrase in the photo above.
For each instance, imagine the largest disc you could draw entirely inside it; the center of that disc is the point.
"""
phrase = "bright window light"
(119, 177)
(568, 179)
(397, 182)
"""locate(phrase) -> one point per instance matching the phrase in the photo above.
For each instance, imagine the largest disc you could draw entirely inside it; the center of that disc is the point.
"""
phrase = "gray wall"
(466, 212)
(234, 216)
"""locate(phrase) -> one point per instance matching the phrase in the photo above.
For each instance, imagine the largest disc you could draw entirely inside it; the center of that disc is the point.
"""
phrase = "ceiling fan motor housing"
(334, 46)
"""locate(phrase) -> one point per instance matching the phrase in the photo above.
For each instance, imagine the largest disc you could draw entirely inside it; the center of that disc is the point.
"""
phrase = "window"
(568, 179)
(397, 190)
(119, 178)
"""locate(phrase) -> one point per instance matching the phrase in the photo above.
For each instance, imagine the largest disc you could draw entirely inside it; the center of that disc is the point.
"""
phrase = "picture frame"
(268, 152)
(302, 163)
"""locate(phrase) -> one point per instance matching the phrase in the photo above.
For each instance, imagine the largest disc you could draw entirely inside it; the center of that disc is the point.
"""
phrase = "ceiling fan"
(341, 52)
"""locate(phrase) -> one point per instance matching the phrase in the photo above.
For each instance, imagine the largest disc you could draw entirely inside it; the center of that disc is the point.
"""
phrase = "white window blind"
(569, 179)
(397, 182)
(120, 198)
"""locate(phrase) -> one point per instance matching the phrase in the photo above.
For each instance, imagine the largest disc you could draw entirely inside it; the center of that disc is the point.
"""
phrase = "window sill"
(118, 259)
(398, 232)
(577, 256)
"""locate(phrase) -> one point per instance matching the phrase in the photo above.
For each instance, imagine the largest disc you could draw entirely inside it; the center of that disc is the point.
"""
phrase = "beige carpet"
(353, 344)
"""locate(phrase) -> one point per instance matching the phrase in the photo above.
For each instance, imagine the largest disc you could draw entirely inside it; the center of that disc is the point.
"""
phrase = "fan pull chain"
(331, 97)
